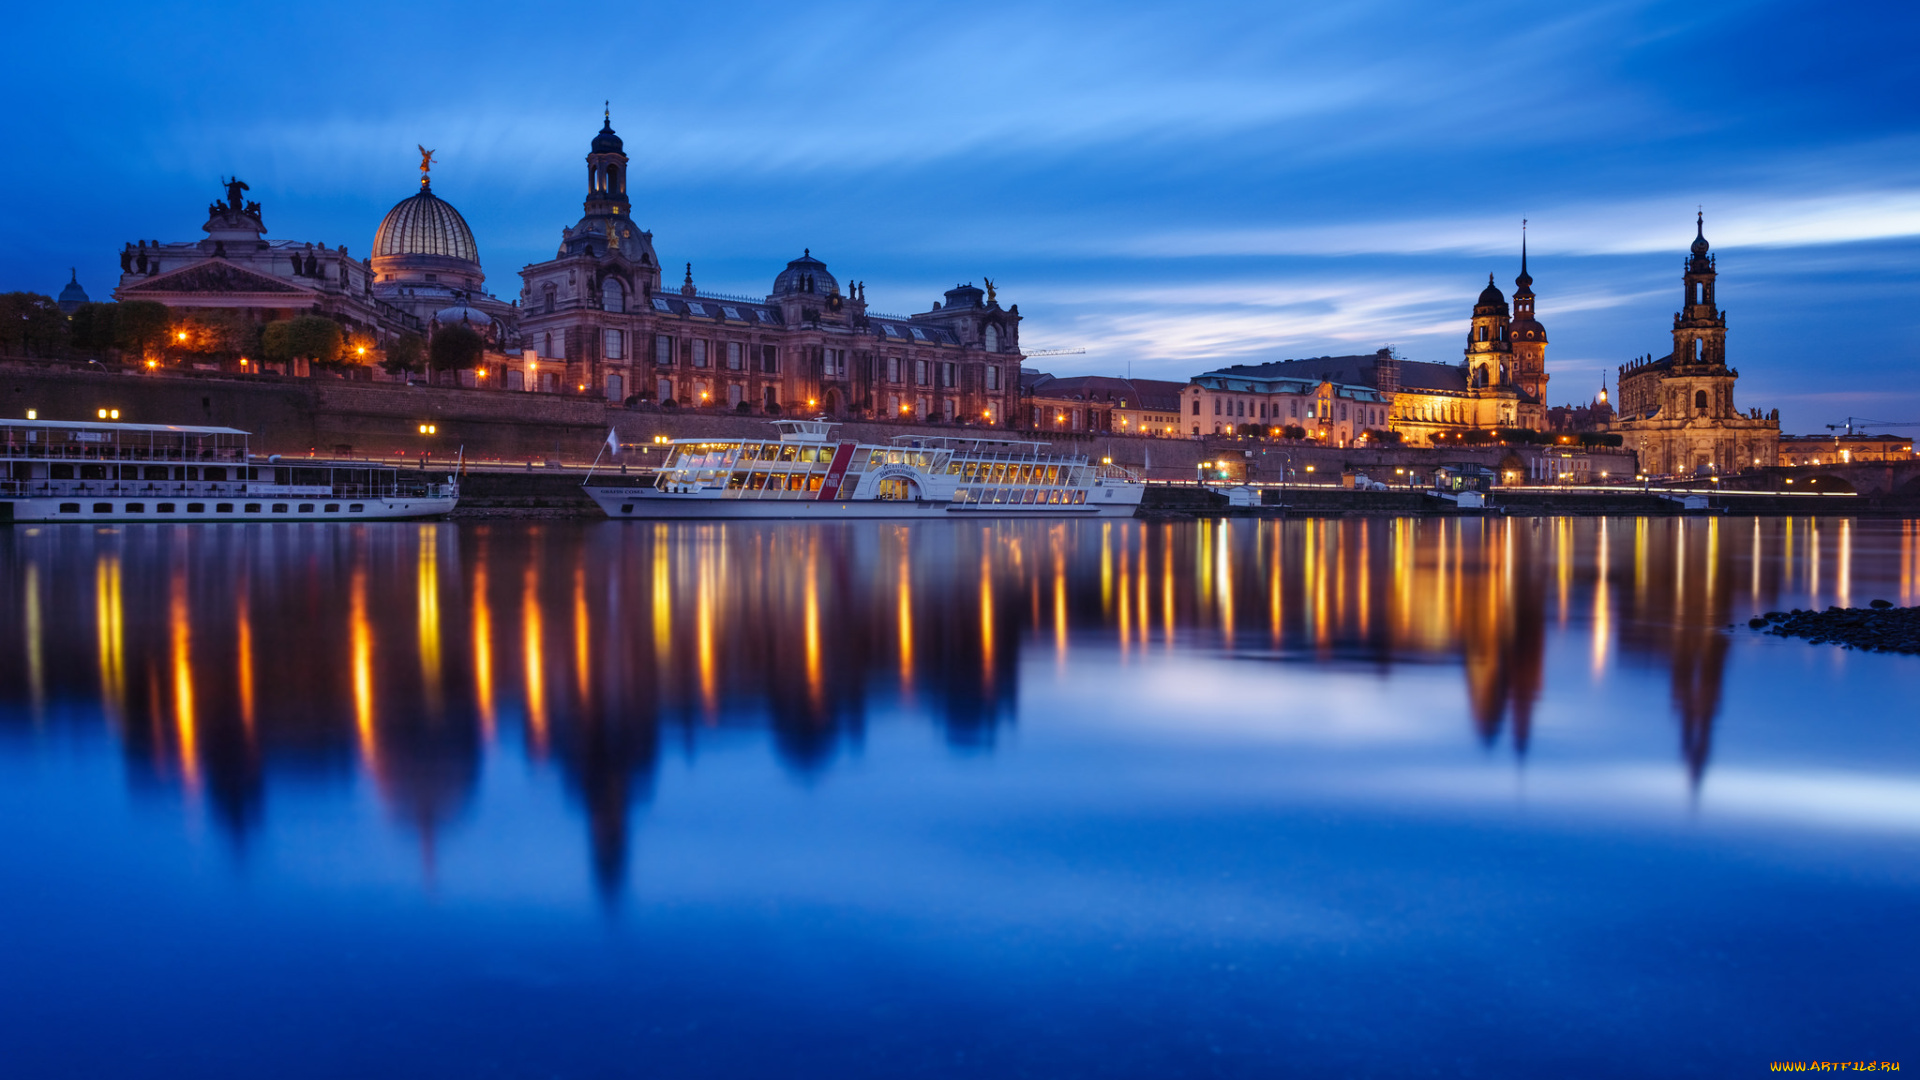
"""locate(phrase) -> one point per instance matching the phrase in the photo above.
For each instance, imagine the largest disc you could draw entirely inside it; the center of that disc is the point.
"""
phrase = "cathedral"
(598, 319)
(1677, 413)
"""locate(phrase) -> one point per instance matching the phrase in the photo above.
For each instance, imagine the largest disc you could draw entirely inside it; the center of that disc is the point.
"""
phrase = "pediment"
(213, 276)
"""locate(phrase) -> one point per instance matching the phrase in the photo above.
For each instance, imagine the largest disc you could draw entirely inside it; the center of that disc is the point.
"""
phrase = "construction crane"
(1054, 352)
(1853, 421)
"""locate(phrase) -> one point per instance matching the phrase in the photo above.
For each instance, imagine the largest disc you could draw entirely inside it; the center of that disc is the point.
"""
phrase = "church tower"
(1699, 328)
(1489, 353)
(1529, 340)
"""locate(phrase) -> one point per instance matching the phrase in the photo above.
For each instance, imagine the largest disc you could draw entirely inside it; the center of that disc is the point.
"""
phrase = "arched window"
(550, 292)
(1483, 333)
(1700, 400)
(992, 338)
(612, 297)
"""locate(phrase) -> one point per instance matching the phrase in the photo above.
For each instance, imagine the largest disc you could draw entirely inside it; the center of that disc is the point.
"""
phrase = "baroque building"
(597, 320)
(1677, 413)
(236, 269)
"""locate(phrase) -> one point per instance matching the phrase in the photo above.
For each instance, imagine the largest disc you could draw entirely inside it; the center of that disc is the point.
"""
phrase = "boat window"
(877, 457)
(156, 472)
(192, 473)
(69, 508)
(815, 481)
(224, 508)
(136, 508)
(279, 508)
(788, 453)
(332, 508)
(103, 508)
(306, 508)
(196, 508)
(356, 508)
(65, 472)
(214, 473)
(737, 481)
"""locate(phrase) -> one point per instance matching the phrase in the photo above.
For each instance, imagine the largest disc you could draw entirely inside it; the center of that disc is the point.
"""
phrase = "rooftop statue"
(234, 187)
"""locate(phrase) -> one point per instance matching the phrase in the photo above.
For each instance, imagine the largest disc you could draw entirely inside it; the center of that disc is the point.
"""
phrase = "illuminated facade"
(1337, 413)
(597, 320)
(1098, 403)
(1677, 413)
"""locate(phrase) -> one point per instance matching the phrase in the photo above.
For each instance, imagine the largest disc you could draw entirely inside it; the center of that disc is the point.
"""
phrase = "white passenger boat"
(76, 470)
(809, 474)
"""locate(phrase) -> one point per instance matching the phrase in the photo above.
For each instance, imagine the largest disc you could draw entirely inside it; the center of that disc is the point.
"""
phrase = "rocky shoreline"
(1879, 627)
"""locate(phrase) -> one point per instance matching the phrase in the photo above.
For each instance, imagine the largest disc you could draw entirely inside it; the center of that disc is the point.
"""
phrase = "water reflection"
(405, 655)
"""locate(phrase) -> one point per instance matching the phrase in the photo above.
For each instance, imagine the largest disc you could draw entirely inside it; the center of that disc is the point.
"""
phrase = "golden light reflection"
(36, 632)
(1602, 605)
(483, 650)
(427, 614)
(180, 627)
(986, 606)
(360, 637)
(903, 611)
(816, 677)
(532, 649)
(1843, 565)
(243, 659)
(582, 630)
(704, 600)
(108, 614)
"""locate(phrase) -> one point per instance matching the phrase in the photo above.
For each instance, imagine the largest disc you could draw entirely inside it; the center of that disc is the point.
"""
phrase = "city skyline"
(1172, 193)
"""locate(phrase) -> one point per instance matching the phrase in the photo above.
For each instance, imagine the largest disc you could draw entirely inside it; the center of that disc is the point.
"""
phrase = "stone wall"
(322, 415)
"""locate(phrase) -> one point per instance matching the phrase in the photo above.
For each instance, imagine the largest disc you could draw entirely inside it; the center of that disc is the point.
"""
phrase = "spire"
(1700, 233)
(687, 289)
(1525, 279)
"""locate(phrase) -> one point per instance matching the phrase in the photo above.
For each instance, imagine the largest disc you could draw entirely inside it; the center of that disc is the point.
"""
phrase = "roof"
(425, 224)
(1357, 370)
(1422, 375)
(1128, 393)
(110, 425)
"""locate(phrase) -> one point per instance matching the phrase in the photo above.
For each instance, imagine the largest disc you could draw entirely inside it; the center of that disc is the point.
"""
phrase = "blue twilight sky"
(1169, 187)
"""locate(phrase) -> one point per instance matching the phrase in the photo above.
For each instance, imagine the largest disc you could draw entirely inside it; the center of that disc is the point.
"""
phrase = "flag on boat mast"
(613, 441)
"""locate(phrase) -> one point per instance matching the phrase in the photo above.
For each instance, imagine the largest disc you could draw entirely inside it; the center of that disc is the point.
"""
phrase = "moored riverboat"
(807, 473)
(87, 471)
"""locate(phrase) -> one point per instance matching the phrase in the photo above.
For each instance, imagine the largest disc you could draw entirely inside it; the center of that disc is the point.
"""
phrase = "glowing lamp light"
(33, 414)
(103, 414)
(182, 335)
(151, 364)
(429, 429)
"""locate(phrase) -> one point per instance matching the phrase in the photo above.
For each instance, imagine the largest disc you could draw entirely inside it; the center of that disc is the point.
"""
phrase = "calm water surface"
(1450, 798)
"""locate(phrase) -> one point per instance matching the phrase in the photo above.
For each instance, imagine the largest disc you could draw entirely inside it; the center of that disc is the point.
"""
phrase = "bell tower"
(1529, 340)
(607, 173)
(1700, 328)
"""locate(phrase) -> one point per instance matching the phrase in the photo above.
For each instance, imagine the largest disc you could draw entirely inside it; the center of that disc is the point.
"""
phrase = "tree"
(217, 334)
(455, 348)
(30, 324)
(140, 326)
(1293, 431)
(406, 354)
(308, 337)
(91, 327)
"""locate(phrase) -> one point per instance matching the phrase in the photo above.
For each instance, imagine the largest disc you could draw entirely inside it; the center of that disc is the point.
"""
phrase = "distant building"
(1677, 413)
(1097, 403)
(1290, 393)
(1596, 415)
(595, 319)
(1500, 382)
(73, 295)
(1844, 449)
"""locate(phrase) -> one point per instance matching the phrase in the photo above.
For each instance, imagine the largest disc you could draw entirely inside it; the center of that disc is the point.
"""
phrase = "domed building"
(73, 295)
(425, 262)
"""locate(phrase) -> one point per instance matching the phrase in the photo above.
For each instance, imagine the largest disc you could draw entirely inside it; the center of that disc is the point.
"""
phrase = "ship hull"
(649, 504)
(180, 510)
